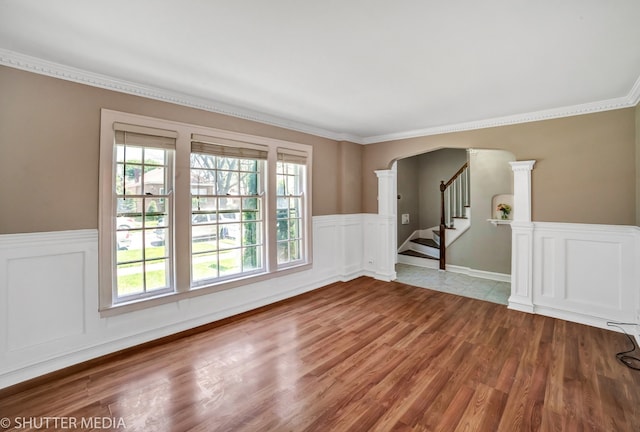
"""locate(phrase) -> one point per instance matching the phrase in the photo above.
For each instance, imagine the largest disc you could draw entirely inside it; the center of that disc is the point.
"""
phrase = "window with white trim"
(143, 182)
(227, 220)
(188, 210)
(290, 174)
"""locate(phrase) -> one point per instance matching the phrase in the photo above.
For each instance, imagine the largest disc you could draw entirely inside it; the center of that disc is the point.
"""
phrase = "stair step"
(436, 232)
(426, 242)
(417, 254)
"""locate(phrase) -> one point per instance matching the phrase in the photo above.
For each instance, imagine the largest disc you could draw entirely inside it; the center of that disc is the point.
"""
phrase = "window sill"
(136, 305)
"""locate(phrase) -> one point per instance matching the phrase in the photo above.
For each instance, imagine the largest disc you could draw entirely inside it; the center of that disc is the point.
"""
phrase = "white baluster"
(460, 197)
(467, 200)
(447, 207)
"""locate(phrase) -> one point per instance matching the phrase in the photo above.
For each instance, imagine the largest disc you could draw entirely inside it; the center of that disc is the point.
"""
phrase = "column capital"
(522, 165)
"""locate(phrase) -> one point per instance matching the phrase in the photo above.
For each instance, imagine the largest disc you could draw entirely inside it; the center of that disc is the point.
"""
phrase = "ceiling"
(362, 70)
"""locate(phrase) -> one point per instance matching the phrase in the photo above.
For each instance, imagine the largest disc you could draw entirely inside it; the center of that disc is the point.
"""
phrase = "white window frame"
(145, 233)
(286, 156)
(261, 245)
(181, 217)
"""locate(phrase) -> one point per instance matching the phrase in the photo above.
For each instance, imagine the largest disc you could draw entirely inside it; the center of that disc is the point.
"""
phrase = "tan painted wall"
(585, 170)
(350, 177)
(485, 246)
(49, 139)
(409, 197)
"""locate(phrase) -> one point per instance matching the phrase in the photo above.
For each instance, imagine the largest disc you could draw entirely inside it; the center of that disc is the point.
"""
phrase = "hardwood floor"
(360, 356)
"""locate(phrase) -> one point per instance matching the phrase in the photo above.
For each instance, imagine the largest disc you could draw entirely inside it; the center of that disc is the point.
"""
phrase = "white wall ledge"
(500, 221)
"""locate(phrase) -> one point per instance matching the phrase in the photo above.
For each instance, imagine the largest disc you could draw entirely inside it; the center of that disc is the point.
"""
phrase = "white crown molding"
(631, 100)
(57, 70)
(68, 73)
(634, 94)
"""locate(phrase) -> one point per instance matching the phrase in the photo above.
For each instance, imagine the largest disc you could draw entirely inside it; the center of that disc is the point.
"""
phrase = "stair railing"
(454, 197)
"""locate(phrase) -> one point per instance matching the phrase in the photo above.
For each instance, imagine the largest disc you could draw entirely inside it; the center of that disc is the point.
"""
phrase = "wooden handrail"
(443, 226)
(455, 176)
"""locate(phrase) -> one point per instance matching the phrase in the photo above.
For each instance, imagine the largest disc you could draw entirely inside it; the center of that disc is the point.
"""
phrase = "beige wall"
(485, 246)
(349, 171)
(585, 170)
(49, 139)
(408, 197)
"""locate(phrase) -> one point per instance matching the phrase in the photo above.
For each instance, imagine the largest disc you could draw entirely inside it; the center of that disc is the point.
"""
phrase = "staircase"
(427, 247)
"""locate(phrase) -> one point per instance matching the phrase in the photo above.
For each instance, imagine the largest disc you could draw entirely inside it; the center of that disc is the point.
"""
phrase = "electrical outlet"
(405, 219)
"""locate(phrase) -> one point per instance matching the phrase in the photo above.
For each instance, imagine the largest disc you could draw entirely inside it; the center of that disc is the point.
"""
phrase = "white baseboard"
(515, 304)
(586, 319)
(434, 264)
(499, 277)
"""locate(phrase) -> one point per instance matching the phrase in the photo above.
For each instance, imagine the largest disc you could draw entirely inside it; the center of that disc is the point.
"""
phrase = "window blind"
(292, 156)
(133, 135)
(227, 148)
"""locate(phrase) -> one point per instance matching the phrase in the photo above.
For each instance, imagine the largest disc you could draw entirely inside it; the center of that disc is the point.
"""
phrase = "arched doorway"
(521, 237)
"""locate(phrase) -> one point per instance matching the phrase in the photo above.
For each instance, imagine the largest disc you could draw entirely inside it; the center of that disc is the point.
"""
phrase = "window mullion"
(181, 196)
(270, 213)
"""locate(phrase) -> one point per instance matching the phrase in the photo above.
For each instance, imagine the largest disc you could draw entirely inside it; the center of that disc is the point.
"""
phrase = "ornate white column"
(384, 230)
(522, 239)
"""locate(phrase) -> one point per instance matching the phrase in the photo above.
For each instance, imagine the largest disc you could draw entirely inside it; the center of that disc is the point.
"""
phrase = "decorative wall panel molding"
(586, 273)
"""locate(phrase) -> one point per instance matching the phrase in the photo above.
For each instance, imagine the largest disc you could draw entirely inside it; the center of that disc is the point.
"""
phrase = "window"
(290, 206)
(143, 175)
(187, 210)
(227, 189)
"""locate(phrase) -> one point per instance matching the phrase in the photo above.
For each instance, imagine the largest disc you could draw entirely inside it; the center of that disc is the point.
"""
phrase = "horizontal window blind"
(227, 148)
(133, 135)
(292, 156)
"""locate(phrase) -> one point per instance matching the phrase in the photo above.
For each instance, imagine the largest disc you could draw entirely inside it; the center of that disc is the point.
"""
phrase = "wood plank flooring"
(360, 356)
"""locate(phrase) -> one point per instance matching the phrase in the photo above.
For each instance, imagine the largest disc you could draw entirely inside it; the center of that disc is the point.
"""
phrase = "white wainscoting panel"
(26, 277)
(546, 256)
(593, 275)
(49, 294)
(350, 260)
(379, 246)
(521, 266)
(586, 273)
